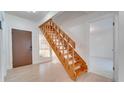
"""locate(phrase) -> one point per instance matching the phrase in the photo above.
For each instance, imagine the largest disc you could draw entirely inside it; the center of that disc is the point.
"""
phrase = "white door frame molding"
(116, 47)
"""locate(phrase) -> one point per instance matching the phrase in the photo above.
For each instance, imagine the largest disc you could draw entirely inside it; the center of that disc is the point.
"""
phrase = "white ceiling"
(69, 15)
(30, 15)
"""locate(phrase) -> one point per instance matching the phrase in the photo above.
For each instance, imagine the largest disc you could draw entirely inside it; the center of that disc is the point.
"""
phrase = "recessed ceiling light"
(31, 11)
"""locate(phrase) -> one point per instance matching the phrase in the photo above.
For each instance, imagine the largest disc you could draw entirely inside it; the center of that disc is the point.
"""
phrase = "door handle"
(31, 48)
(113, 68)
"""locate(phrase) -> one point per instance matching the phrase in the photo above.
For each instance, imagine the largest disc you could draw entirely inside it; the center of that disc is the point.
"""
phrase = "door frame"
(115, 41)
(1, 77)
(12, 43)
(116, 47)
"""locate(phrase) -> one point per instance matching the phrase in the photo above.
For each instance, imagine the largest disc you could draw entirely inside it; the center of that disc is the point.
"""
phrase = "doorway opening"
(101, 47)
(45, 52)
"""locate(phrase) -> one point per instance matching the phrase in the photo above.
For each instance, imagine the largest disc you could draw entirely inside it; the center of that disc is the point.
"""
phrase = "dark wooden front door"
(22, 47)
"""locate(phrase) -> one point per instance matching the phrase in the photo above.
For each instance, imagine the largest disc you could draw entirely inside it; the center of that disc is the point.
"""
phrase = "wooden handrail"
(44, 23)
(65, 36)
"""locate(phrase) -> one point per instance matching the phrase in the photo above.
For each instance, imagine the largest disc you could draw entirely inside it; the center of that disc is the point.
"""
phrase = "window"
(44, 48)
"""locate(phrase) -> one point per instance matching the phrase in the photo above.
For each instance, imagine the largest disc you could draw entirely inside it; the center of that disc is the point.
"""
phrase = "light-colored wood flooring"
(48, 72)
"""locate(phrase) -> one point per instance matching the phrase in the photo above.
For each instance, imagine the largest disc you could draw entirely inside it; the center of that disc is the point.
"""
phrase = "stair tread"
(66, 54)
(76, 65)
(62, 49)
(79, 71)
(79, 63)
(60, 45)
(70, 58)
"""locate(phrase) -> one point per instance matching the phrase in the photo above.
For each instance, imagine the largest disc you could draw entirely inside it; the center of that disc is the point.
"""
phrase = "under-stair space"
(64, 48)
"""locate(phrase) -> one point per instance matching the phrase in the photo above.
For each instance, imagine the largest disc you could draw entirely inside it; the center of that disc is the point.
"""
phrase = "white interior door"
(101, 47)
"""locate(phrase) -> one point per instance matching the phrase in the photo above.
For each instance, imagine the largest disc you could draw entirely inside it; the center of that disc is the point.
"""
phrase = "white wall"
(121, 47)
(77, 26)
(47, 17)
(101, 38)
(101, 45)
(0, 49)
(3, 64)
(0, 56)
(22, 24)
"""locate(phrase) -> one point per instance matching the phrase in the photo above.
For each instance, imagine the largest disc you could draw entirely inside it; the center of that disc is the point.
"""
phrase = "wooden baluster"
(47, 27)
(73, 59)
(50, 28)
(53, 31)
(59, 38)
(68, 53)
(50, 25)
(63, 45)
(57, 35)
(59, 31)
(47, 30)
(56, 29)
(44, 29)
(54, 34)
(59, 43)
(55, 38)
(50, 31)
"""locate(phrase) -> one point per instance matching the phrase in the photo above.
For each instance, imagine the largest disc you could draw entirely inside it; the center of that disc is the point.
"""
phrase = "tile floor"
(102, 66)
(48, 72)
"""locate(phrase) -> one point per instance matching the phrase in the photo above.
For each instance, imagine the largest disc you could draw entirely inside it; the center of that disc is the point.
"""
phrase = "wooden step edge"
(78, 63)
(75, 60)
(68, 53)
(80, 71)
(60, 45)
(82, 68)
(50, 32)
(63, 49)
(71, 58)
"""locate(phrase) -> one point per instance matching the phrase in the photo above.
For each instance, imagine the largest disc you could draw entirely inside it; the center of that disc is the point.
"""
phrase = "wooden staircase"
(64, 48)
